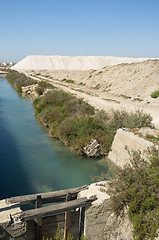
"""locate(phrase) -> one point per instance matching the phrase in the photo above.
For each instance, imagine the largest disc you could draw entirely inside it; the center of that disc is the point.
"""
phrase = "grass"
(138, 99)
(111, 100)
(68, 80)
(124, 96)
(82, 84)
(153, 138)
(155, 94)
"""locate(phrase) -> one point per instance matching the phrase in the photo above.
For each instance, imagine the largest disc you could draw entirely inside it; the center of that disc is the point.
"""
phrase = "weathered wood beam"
(67, 218)
(53, 209)
(38, 204)
(46, 197)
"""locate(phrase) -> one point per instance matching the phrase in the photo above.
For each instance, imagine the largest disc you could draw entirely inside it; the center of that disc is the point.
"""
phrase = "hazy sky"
(79, 27)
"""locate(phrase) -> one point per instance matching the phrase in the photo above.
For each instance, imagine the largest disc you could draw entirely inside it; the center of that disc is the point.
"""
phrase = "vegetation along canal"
(30, 161)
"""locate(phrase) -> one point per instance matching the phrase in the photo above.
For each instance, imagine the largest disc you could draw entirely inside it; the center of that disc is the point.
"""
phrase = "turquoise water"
(30, 161)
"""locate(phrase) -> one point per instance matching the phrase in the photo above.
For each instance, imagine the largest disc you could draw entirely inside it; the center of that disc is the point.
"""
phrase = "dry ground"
(124, 86)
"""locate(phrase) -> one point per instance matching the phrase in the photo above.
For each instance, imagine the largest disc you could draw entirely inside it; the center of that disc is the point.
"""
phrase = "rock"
(9, 226)
(124, 143)
(92, 149)
(30, 91)
(96, 215)
(149, 131)
(119, 227)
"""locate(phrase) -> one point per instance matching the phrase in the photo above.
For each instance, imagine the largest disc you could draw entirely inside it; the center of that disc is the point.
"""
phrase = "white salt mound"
(39, 62)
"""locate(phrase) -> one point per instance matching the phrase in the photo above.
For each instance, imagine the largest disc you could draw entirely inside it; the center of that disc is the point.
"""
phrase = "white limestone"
(39, 62)
(7, 211)
(97, 189)
(124, 142)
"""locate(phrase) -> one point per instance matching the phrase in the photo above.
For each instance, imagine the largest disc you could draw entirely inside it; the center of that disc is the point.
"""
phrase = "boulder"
(92, 149)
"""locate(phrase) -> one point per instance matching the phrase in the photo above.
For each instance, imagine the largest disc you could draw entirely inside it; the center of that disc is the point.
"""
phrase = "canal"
(31, 162)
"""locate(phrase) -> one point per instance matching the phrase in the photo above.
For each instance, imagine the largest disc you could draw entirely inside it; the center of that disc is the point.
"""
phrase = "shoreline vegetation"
(72, 120)
(75, 122)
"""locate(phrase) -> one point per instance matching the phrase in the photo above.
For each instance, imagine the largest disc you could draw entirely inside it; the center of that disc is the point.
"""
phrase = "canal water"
(31, 162)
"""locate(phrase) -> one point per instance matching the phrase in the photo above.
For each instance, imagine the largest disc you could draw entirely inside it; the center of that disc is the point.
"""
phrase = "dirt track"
(124, 86)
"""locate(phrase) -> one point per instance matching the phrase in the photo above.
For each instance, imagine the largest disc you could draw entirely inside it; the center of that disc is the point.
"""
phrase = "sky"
(124, 28)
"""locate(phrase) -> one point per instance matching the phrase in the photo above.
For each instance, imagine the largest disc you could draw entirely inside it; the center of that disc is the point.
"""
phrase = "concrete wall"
(124, 142)
(100, 221)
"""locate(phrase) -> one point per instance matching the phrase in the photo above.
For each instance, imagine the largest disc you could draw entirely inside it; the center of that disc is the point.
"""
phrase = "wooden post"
(81, 221)
(67, 218)
(38, 204)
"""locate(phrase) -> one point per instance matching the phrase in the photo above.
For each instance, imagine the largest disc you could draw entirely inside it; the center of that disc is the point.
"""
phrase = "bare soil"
(124, 86)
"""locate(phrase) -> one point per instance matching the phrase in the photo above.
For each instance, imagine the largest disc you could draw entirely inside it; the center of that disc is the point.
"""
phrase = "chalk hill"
(51, 63)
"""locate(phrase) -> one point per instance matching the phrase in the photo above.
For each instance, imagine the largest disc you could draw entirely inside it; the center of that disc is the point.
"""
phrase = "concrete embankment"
(126, 142)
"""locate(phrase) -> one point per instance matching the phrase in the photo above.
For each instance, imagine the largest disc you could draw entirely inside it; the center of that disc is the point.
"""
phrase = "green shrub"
(78, 131)
(75, 122)
(102, 116)
(155, 94)
(123, 119)
(42, 86)
(68, 80)
(138, 99)
(19, 80)
(124, 96)
(70, 104)
(138, 187)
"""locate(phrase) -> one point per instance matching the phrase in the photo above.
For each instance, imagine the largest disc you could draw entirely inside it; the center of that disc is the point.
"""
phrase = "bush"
(78, 131)
(68, 103)
(155, 94)
(42, 86)
(74, 122)
(137, 187)
(57, 107)
(68, 80)
(19, 80)
(123, 119)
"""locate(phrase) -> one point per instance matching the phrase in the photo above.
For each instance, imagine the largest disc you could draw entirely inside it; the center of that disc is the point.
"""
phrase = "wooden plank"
(50, 225)
(53, 209)
(67, 218)
(27, 199)
(82, 218)
(38, 220)
(30, 230)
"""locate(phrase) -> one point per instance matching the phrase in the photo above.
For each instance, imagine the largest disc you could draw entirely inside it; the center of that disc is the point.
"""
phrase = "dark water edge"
(31, 162)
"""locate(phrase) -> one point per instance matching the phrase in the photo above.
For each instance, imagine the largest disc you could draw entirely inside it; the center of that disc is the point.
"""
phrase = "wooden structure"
(64, 211)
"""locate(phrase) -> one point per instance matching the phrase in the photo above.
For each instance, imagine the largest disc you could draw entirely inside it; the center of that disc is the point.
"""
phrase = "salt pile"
(51, 63)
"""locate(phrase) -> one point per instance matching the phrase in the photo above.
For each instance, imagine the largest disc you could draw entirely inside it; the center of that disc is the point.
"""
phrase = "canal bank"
(31, 162)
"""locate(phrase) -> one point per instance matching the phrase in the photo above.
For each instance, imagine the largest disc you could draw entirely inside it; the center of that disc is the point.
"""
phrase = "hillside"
(132, 80)
(124, 86)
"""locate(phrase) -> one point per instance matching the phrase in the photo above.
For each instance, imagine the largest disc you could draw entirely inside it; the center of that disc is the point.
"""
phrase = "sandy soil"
(124, 86)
